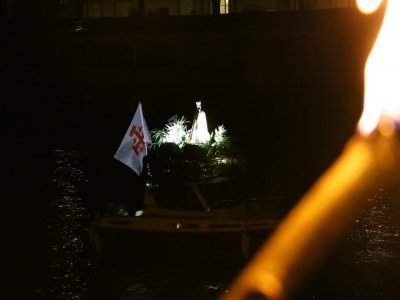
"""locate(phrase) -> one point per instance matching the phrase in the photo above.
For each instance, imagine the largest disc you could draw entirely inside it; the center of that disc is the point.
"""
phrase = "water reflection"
(366, 268)
(67, 224)
(132, 279)
(376, 237)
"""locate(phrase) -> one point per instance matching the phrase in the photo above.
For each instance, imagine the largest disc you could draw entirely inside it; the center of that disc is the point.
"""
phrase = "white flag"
(134, 145)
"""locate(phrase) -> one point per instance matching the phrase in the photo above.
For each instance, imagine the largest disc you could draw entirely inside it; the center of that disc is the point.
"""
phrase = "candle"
(370, 160)
(321, 217)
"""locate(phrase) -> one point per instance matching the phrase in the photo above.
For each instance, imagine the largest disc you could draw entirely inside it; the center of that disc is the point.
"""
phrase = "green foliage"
(176, 131)
(173, 155)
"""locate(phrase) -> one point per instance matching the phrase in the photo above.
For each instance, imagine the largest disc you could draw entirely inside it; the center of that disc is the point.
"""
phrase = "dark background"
(288, 86)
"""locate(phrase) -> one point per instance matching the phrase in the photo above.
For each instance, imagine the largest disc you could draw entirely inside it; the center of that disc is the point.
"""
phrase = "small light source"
(178, 225)
(138, 213)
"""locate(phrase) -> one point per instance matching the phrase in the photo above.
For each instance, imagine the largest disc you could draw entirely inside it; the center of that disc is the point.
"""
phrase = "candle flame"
(382, 72)
(368, 6)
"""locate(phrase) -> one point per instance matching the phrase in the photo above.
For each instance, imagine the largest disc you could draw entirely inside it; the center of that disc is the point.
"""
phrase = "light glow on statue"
(200, 134)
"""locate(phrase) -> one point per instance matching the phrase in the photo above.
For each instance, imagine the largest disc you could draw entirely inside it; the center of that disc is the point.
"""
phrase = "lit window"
(224, 6)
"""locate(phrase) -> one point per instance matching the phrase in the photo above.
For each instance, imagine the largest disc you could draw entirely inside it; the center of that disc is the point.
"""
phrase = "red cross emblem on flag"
(137, 136)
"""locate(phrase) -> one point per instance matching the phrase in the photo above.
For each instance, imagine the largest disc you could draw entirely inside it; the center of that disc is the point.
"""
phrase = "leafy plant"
(175, 131)
(173, 154)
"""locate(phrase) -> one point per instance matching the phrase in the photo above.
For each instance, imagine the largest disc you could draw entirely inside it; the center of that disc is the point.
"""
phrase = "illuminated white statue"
(199, 133)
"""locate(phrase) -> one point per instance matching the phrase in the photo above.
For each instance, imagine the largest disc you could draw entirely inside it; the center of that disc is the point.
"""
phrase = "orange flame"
(382, 72)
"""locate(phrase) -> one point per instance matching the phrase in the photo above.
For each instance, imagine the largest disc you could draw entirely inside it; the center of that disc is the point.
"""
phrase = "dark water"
(366, 264)
(68, 263)
(49, 257)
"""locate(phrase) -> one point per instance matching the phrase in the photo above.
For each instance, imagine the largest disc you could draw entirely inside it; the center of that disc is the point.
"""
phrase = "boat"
(215, 223)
